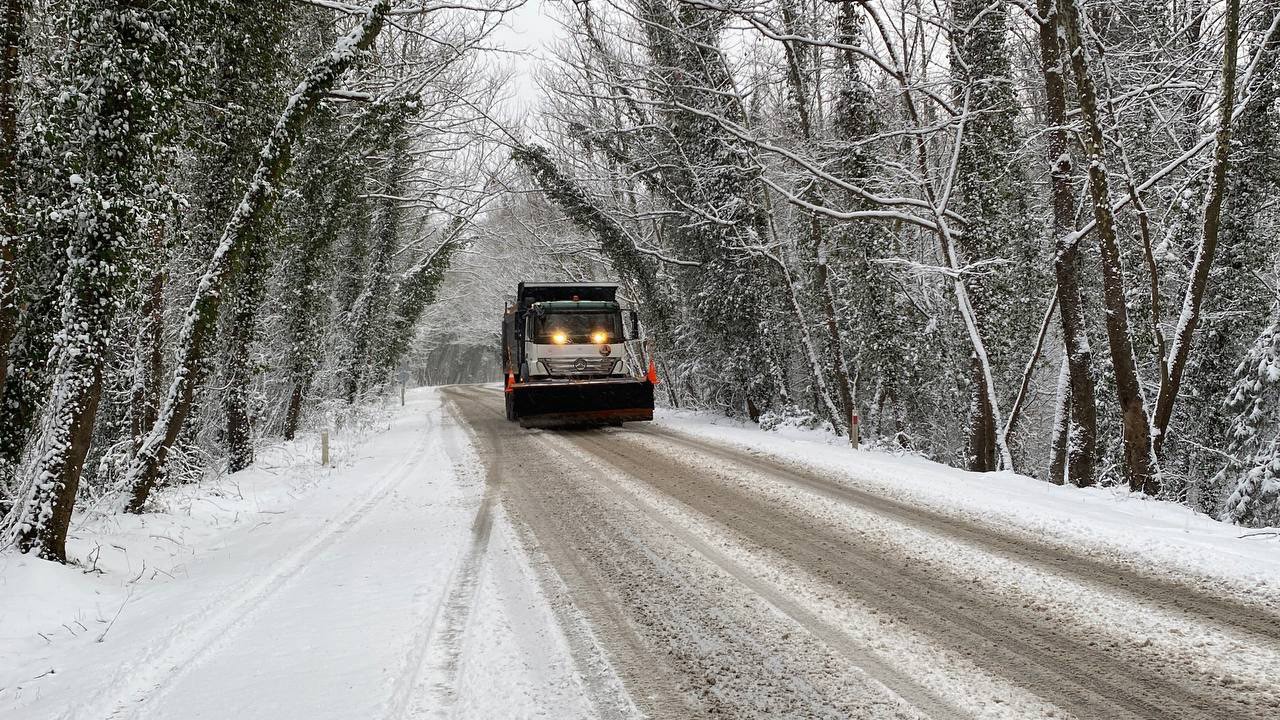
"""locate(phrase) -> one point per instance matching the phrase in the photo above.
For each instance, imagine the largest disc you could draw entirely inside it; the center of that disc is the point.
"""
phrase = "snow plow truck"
(572, 356)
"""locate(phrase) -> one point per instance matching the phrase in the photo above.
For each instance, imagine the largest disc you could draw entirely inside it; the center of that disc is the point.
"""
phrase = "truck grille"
(579, 366)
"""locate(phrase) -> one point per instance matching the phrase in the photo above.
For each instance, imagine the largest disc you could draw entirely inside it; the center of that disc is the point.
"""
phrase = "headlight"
(560, 338)
(599, 337)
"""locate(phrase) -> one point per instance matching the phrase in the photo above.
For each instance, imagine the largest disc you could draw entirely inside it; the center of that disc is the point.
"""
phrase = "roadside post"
(324, 448)
(855, 431)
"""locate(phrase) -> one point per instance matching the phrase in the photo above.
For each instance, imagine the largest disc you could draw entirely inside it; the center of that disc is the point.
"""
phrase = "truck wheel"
(615, 423)
(511, 409)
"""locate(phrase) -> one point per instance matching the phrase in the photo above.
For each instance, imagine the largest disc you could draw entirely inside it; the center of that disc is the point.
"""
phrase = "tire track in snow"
(436, 647)
(136, 687)
(885, 676)
(407, 680)
(431, 669)
(604, 689)
(446, 647)
(427, 686)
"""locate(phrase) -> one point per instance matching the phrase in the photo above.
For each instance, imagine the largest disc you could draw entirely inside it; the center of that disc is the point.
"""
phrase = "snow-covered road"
(391, 587)
(731, 583)
(453, 565)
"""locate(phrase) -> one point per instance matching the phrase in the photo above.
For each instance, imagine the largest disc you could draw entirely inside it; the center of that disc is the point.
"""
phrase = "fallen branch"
(119, 610)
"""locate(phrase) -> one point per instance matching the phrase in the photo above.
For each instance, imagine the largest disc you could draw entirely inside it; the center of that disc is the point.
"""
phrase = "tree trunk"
(149, 464)
(295, 410)
(985, 415)
(1082, 441)
(839, 363)
(360, 320)
(797, 75)
(235, 401)
(1140, 464)
(327, 187)
(51, 473)
(363, 356)
(247, 290)
(839, 416)
(48, 509)
(811, 350)
(148, 359)
(982, 423)
(11, 28)
(946, 244)
(991, 193)
(1061, 427)
(11, 23)
(1184, 336)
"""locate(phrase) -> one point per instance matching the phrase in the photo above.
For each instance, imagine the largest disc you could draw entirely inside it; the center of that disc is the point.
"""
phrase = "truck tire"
(511, 408)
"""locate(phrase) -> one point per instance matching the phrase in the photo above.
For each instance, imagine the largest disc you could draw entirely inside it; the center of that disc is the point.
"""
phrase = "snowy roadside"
(293, 590)
(1153, 536)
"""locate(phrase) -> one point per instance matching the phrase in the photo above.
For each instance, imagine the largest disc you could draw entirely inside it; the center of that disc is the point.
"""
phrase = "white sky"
(527, 29)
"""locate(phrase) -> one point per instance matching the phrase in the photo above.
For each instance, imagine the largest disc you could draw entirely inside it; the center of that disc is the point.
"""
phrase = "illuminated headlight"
(599, 337)
(560, 338)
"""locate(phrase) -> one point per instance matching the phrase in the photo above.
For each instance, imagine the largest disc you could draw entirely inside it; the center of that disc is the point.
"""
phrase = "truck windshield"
(578, 327)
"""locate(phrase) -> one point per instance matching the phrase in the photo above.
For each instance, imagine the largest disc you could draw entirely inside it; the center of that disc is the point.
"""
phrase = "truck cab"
(574, 339)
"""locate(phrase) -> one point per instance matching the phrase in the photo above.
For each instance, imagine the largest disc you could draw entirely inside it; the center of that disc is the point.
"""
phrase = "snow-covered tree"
(1253, 474)
(114, 114)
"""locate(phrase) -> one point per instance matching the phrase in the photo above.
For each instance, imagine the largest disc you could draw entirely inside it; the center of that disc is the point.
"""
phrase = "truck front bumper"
(559, 403)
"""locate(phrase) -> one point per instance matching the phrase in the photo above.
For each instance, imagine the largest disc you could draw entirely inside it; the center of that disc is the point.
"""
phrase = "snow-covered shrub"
(793, 416)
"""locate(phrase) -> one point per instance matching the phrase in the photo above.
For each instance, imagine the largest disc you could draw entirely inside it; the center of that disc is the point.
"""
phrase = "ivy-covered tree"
(245, 90)
(277, 153)
(325, 182)
(116, 108)
(991, 195)
(12, 16)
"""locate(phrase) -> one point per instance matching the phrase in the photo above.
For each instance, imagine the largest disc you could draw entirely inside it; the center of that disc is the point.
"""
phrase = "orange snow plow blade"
(582, 402)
